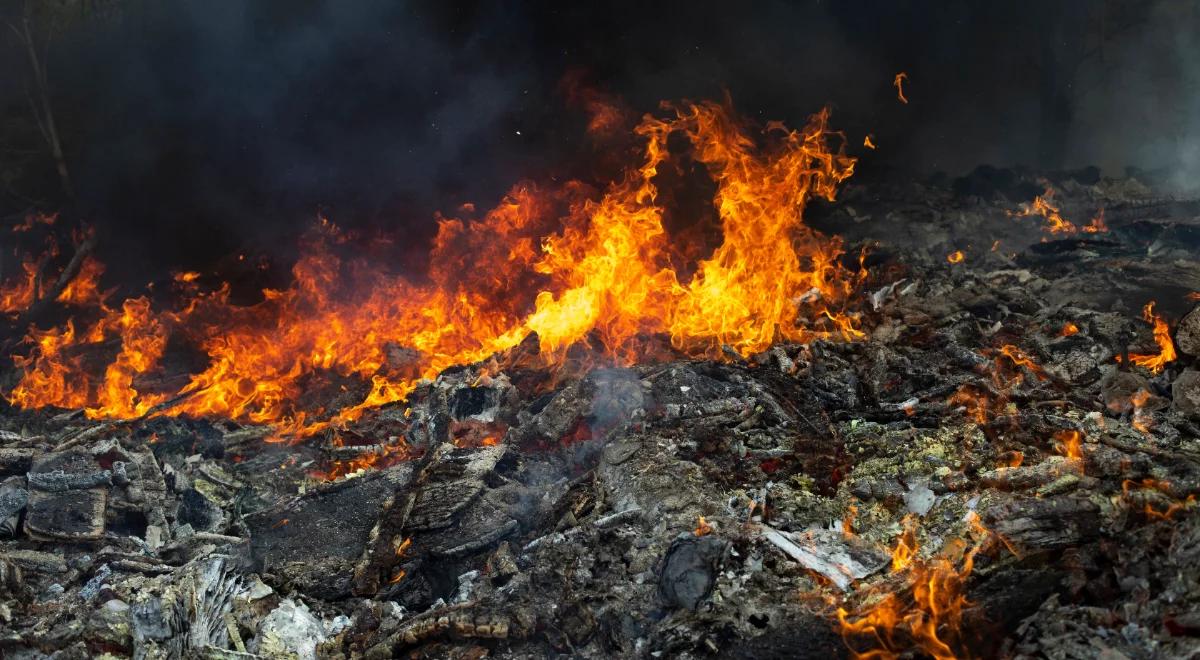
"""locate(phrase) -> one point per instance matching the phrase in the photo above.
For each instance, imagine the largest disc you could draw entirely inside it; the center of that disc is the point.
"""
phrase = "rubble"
(990, 434)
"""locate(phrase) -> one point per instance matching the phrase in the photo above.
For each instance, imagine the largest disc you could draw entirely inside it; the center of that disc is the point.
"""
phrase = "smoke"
(1139, 104)
(196, 128)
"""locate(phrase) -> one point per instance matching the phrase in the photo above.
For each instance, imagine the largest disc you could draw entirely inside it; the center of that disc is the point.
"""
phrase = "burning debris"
(576, 436)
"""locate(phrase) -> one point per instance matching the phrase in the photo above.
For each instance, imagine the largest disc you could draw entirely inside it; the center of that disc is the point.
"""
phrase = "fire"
(973, 400)
(702, 527)
(1142, 420)
(84, 289)
(1162, 337)
(906, 545)
(1043, 205)
(571, 264)
(1070, 444)
(926, 616)
(848, 521)
(955, 257)
(1164, 487)
(19, 293)
(1097, 225)
(1069, 329)
(898, 83)
(868, 143)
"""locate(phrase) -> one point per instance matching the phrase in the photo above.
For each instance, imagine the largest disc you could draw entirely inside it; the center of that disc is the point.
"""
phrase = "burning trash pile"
(943, 419)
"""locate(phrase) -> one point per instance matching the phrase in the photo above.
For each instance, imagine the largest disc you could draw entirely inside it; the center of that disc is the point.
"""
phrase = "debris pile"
(1006, 463)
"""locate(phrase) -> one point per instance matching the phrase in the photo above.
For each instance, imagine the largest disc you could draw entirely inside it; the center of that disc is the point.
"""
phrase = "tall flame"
(571, 264)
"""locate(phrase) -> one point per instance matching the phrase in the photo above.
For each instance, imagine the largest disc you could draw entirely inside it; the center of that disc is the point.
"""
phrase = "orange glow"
(955, 257)
(925, 617)
(34, 219)
(848, 521)
(868, 143)
(1043, 206)
(1070, 444)
(702, 527)
(1162, 336)
(573, 264)
(19, 293)
(1141, 417)
(1016, 459)
(1068, 329)
(84, 289)
(1097, 226)
(906, 545)
(1163, 487)
(975, 401)
(1194, 296)
(898, 83)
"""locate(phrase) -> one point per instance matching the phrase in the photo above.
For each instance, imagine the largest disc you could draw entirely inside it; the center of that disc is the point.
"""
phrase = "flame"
(955, 257)
(34, 219)
(702, 527)
(1148, 509)
(906, 545)
(572, 264)
(1141, 420)
(1069, 329)
(84, 289)
(1070, 444)
(1097, 226)
(868, 143)
(1044, 207)
(19, 293)
(848, 521)
(927, 617)
(1162, 337)
(975, 402)
(898, 83)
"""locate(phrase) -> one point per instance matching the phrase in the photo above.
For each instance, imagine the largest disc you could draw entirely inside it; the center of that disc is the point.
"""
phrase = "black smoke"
(198, 128)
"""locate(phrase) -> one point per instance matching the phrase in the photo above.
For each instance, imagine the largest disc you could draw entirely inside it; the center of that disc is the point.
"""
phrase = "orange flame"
(868, 143)
(1044, 207)
(928, 618)
(570, 264)
(1068, 329)
(1097, 226)
(1070, 443)
(955, 257)
(898, 83)
(702, 527)
(1162, 337)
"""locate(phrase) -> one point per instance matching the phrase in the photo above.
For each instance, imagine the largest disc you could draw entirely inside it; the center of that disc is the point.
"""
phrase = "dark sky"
(196, 127)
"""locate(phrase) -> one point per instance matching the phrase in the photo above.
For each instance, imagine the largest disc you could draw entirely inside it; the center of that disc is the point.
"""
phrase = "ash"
(1006, 465)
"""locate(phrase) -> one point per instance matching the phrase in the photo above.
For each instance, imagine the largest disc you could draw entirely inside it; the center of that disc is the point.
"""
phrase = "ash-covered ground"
(1005, 465)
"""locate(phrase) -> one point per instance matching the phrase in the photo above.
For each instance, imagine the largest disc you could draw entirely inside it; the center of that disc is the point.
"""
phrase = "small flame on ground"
(868, 143)
(848, 521)
(1042, 205)
(1070, 444)
(898, 83)
(927, 617)
(956, 257)
(1069, 329)
(1162, 336)
(702, 527)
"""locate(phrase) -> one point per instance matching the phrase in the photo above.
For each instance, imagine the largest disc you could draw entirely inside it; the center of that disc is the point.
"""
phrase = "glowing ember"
(569, 263)
(898, 83)
(1068, 329)
(955, 257)
(702, 527)
(1142, 420)
(1162, 336)
(868, 143)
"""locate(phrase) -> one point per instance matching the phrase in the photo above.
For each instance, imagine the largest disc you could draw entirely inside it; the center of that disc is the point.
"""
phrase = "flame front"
(572, 264)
